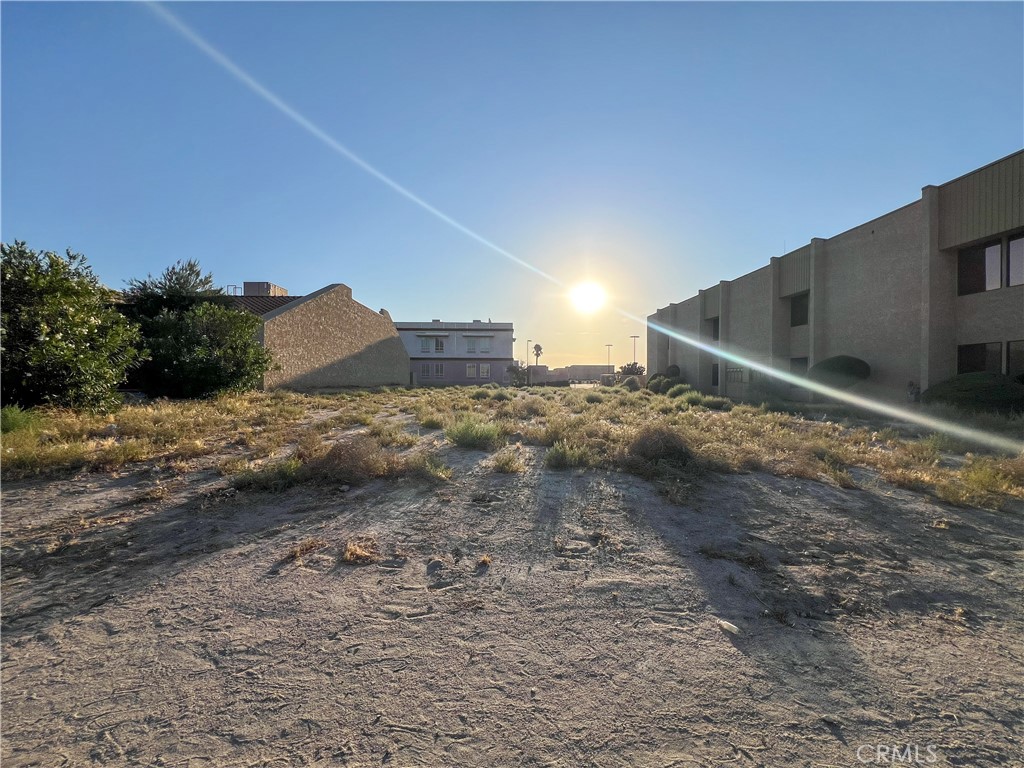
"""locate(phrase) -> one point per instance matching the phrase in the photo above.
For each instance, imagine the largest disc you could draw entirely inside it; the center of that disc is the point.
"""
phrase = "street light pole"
(634, 338)
(609, 358)
(528, 361)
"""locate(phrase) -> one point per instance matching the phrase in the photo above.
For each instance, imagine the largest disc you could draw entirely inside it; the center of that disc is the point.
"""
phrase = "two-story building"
(923, 293)
(442, 353)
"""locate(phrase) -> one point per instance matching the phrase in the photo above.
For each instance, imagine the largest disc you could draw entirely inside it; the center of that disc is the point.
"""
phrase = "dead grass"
(362, 551)
(279, 439)
(305, 547)
(509, 460)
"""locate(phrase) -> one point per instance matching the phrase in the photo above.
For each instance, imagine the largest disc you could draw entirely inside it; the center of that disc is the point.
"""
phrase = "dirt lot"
(548, 617)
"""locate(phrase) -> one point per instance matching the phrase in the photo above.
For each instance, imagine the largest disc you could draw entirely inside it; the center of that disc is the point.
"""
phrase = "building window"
(471, 345)
(1015, 360)
(424, 370)
(438, 344)
(734, 375)
(471, 371)
(1015, 262)
(439, 370)
(978, 269)
(973, 358)
(798, 309)
(424, 345)
(485, 370)
(716, 328)
(714, 374)
(485, 346)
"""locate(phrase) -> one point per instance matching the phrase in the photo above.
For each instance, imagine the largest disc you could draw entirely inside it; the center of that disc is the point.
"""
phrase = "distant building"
(922, 293)
(325, 340)
(577, 372)
(441, 354)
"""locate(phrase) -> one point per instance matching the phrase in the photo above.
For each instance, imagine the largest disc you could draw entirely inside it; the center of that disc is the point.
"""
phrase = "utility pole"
(528, 361)
(634, 338)
(609, 358)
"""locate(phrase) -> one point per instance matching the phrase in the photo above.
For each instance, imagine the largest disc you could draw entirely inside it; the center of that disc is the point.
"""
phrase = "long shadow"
(66, 570)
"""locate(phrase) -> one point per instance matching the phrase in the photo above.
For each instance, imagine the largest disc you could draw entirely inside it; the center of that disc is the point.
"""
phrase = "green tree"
(538, 350)
(632, 369)
(199, 344)
(517, 374)
(63, 343)
(179, 287)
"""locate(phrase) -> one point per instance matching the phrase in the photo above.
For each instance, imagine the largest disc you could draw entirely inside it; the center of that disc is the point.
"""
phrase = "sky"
(654, 148)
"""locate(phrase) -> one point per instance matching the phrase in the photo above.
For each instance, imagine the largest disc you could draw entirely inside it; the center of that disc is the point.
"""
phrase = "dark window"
(798, 366)
(978, 269)
(1015, 262)
(714, 374)
(1015, 360)
(715, 328)
(798, 306)
(972, 358)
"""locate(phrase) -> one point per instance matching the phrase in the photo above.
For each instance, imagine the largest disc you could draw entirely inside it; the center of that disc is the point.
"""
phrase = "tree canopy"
(63, 342)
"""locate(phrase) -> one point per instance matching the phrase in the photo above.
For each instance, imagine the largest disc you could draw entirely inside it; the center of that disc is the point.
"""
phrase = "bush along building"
(325, 340)
(443, 353)
(921, 294)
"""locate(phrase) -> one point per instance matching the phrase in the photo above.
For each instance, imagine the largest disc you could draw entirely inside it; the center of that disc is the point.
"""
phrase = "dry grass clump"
(472, 432)
(655, 448)
(391, 434)
(563, 455)
(509, 460)
(354, 462)
(305, 547)
(429, 467)
(361, 551)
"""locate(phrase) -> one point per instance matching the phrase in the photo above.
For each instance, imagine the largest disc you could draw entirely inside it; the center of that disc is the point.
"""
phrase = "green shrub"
(717, 403)
(594, 397)
(840, 372)
(204, 350)
(666, 383)
(63, 343)
(632, 383)
(480, 394)
(501, 396)
(563, 455)
(978, 392)
(673, 372)
(471, 432)
(679, 390)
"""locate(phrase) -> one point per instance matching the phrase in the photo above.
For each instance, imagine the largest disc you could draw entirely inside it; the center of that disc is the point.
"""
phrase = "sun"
(587, 297)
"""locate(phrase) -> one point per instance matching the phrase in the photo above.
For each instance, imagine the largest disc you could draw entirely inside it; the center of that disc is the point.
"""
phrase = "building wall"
(327, 340)
(457, 357)
(871, 290)
(884, 291)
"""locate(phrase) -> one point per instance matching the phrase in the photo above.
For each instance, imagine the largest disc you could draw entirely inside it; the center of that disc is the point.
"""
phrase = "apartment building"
(925, 292)
(448, 353)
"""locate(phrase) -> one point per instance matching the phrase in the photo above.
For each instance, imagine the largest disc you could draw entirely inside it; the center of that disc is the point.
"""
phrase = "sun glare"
(587, 297)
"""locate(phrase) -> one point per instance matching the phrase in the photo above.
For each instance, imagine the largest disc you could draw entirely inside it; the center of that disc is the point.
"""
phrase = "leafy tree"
(204, 350)
(63, 343)
(179, 287)
(632, 369)
(517, 374)
(199, 344)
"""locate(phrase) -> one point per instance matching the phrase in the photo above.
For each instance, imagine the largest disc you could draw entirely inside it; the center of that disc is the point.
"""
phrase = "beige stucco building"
(325, 340)
(927, 291)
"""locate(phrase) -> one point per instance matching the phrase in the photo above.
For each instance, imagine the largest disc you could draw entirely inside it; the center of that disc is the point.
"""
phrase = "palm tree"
(538, 350)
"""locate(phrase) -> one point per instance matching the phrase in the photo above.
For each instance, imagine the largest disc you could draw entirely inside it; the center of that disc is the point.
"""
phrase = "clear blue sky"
(657, 148)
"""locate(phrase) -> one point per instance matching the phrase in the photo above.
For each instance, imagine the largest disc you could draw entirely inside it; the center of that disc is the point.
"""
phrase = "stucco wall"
(990, 316)
(328, 340)
(872, 297)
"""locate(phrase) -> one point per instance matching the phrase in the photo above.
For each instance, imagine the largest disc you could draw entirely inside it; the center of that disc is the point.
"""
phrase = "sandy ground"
(178, 632)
